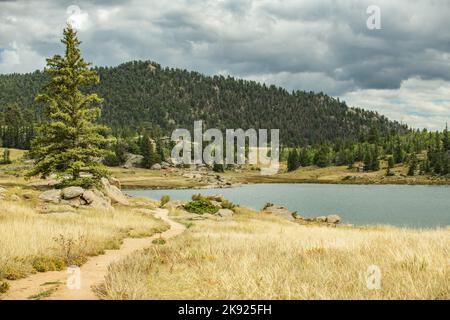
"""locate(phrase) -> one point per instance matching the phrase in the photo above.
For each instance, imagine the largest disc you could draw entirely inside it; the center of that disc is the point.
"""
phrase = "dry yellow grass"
(32, 242)
(256, 256)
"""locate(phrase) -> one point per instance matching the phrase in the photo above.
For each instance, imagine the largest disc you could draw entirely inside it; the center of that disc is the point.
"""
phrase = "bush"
(84, 182)
(164, 200)
(200, 205)
(4, 287)
(228, 205)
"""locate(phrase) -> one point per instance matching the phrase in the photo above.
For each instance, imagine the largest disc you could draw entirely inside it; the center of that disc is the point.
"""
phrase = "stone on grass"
(156, 166)
(72, 192)
(225, 213)
(53, 196)
(333, 218)
(114, 193)
(14, 197)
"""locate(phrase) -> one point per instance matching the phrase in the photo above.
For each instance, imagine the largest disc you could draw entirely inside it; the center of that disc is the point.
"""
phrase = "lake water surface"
(400, 205)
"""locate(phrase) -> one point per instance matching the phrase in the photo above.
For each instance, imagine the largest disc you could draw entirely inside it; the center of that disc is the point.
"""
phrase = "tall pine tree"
(69, 142)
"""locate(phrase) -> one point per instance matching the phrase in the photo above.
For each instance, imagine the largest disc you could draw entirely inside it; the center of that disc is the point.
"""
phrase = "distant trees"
(69, 142)
(293, 161)
(5, 159)
(148, 152)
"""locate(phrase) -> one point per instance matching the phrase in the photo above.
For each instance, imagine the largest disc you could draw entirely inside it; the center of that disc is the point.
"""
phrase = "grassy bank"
(258, 256)
(32, 242)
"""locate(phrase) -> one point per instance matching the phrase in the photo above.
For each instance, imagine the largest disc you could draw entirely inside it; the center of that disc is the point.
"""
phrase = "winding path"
(52, 285)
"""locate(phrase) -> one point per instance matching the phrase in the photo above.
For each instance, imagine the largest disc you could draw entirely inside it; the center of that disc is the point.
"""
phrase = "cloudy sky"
(401, 70)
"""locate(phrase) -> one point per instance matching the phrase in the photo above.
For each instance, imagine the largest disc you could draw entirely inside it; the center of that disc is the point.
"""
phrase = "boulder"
(280, 211)
(74, 202)
(321, 219)
(115, 182)
(114, 193)
(333, 218)
(53, 196)
(216, 203)
(165, 165)
(156, 166)
(96, 200)
(225, 213)
(2, 190)
(72, 192)
(216, 197)
(88, 196)
(14, 197)
(132, 160)
(44, 184)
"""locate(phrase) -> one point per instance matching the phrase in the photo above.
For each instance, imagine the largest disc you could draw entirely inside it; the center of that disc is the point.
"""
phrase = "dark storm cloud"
(311, 45)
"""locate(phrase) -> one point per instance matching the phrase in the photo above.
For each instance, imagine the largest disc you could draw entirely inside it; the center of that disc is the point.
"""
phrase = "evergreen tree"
(147, 152)
(69, 142)
(412, 165)
(322, 158)
(398, 151)
(6, 157)
(160, 151)
(390, 166)
(293, 160)
(446, 139)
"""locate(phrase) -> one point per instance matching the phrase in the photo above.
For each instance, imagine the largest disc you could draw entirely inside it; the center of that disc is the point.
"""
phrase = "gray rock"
(165, 165)
(280, 211)
(156, 166)
(74, 202)
(96, 200)
(44, 184)
(216, 203)
(132, 160)
(216, 197)
(333, 218)
(14, 197)
(88, 196)
(53, 196)
(72, 192)
(225, 213)
(114, 193)
(115, 182)
(321, 219)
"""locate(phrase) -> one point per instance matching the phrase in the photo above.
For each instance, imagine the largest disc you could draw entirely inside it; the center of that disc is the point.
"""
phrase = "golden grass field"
(258, 256)
(31, 242)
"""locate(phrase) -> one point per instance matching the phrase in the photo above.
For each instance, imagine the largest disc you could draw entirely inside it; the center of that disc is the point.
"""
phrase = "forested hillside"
(144, 95)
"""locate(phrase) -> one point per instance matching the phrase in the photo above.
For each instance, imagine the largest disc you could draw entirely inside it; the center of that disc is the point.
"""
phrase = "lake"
(399, 205)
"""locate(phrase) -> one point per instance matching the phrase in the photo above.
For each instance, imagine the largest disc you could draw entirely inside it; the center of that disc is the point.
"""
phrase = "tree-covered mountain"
(143, 94)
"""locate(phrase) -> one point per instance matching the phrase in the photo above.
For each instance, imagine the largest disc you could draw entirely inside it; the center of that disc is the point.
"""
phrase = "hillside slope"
(144, 94)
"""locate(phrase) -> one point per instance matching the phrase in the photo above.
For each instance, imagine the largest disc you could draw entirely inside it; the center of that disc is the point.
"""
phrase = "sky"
(400, 68)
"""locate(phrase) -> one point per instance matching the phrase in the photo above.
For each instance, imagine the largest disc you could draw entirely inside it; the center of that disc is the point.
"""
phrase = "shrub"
(164, 200)
(200, 206)
(228, 205)
(4, 286)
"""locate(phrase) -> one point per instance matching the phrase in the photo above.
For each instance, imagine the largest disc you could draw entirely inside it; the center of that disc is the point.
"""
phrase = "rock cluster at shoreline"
(70, 198)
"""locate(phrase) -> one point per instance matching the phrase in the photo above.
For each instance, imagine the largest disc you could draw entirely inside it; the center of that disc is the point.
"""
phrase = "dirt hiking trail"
(52, 285)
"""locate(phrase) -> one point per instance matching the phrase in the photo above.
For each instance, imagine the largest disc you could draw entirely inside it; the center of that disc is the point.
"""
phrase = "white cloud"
(20, 58)
(419, 103)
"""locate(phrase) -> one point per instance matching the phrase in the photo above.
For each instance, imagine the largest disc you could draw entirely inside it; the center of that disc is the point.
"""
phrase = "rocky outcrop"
(72, 192)
(280, 211)
(132, 160)
(225, 213)
(333, 218)
(77, 197)
(114, 193)
(53, 196)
